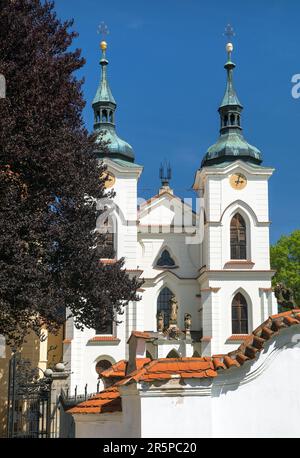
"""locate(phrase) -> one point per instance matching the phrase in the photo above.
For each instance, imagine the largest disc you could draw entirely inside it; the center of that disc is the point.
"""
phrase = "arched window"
(104, 116)
(165, 260)
(102, 366)
(108, 230)
(163, 304)
(239, 315)
(238, 245)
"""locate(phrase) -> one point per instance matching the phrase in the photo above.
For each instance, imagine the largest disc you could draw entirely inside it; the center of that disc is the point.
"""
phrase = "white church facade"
(206, 267)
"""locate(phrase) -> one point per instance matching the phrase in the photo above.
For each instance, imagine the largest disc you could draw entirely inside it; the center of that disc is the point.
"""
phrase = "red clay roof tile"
(119, 369)
(108, 400)
(238, 337)
(103, 339)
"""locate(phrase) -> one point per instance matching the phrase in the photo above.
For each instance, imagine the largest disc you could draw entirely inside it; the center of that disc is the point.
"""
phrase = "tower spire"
(230, 108)
(104, 106)
(231, 145)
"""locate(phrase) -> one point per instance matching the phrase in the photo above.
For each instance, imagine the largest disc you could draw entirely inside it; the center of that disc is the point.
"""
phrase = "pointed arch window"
(163, 304)
(238, 242)
(109, 239)
(239, 315)
(173, 354)
(165, 260)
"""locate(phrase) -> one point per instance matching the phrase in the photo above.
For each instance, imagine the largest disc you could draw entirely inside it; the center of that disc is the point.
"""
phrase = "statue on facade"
(187, 322)
(173, 333)
(160, 321)
(174, 310)
(285, 297)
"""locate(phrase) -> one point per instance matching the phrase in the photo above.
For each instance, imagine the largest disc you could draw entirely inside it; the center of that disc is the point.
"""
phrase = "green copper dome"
(104, 106)
(117, 147)
(231, 144)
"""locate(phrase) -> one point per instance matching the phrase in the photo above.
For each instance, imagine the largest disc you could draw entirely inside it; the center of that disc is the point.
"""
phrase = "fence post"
(11, 401)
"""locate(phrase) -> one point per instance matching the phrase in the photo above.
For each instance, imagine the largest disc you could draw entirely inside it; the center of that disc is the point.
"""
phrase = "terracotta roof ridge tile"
(269, 328)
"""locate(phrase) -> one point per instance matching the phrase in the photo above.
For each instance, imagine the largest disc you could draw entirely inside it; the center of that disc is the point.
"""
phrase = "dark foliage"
(48, 259)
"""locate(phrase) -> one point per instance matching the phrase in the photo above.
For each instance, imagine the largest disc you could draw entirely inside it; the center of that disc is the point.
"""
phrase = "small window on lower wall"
(239, 315)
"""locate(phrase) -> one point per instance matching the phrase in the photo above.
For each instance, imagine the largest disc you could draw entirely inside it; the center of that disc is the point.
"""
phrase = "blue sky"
(166, 73)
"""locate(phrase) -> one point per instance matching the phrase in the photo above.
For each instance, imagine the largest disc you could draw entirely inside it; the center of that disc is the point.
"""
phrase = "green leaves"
(285, 259)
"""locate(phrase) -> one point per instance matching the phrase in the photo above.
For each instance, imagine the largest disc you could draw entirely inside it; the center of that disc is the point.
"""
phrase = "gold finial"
(103, 45)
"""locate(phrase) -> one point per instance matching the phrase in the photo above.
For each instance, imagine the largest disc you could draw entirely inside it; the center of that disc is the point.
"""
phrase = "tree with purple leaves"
(49, 184)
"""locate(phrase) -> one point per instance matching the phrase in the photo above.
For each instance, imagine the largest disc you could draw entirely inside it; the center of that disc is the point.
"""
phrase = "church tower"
(235, 276)
(123, 173)
(91, 350)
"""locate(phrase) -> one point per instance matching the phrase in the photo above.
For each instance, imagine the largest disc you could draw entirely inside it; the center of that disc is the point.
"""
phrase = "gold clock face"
(238, 181)
(109, 178)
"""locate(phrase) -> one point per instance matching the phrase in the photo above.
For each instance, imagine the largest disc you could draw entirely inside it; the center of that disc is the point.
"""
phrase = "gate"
(29, 401)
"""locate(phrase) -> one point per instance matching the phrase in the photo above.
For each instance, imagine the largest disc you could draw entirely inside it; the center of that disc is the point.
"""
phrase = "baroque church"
(207, 276)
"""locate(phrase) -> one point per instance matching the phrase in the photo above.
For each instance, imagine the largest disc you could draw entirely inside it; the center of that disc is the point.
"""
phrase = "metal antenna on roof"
(165, 173)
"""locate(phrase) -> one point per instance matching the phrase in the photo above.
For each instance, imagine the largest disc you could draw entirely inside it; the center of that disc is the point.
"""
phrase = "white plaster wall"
(126, 200)
(217, 318)
(179, 416)
(185, 255)
(220, 194)
(268, 404)
(166, 210)
(85, 356)
(258, 400)
(108, 425)
(221, 202)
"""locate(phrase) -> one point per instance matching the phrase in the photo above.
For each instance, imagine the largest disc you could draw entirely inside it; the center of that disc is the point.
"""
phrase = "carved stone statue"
(160, 321)
(174, 310)
(187, 321)
(284, 296)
